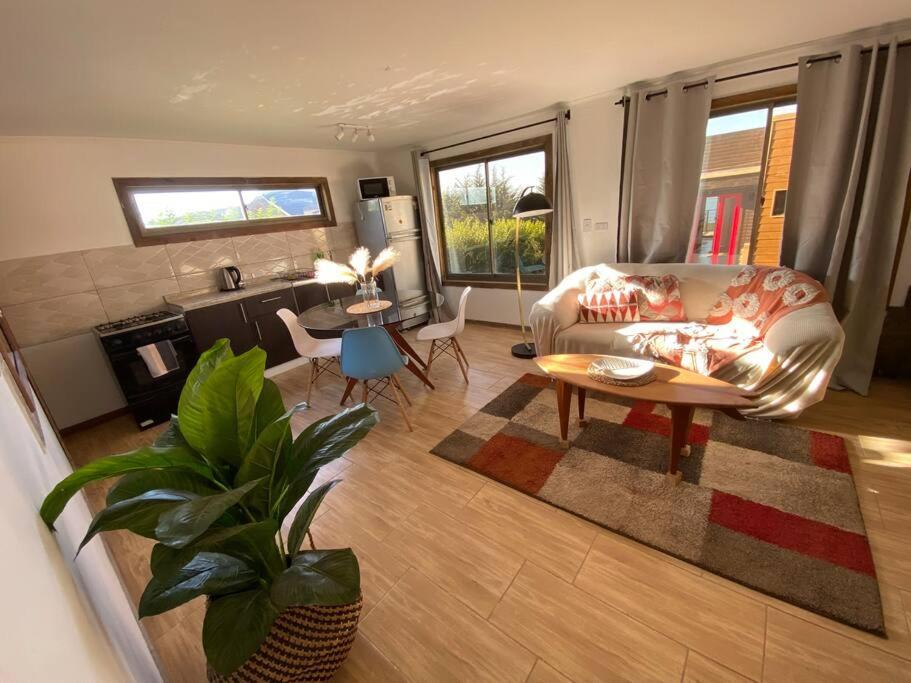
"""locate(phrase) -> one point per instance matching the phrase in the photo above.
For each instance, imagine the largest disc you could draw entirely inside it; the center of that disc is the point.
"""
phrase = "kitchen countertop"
(188, 302)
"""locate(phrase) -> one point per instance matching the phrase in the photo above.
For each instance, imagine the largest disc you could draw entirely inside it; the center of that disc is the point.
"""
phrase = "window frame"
(542, 143)
(142, 236)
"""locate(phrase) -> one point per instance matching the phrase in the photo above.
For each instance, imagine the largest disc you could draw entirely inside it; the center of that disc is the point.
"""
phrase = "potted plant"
(213, 491)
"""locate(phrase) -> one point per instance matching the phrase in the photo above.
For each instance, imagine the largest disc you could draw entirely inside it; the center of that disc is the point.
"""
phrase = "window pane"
(281, 203)
(508, 178)
(167, 209)
(727, 230)
(463, 191)
(731, 168)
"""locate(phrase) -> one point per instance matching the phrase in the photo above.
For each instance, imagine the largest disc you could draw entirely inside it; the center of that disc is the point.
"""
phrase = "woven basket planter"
(304, 644)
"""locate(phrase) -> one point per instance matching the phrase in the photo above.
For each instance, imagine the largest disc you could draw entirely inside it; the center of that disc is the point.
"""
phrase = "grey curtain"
(849, 173)
(665, 140)
(429, 232)
(564, 249)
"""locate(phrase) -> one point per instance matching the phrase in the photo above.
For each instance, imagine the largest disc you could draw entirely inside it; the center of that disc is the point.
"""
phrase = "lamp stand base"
(524, 350)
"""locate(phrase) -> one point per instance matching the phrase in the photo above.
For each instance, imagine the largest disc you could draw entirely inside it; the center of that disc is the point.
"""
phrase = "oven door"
(136, 380)
(373, 188)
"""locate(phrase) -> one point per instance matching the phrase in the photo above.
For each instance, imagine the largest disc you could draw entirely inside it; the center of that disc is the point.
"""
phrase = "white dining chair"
(321, 353)
(443, 338)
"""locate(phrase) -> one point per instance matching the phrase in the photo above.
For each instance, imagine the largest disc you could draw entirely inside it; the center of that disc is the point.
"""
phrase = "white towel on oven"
(160, 357)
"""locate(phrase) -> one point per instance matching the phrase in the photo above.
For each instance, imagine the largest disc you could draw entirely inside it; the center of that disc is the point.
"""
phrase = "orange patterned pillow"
(659, 296)
(605, 302)
(760, 296)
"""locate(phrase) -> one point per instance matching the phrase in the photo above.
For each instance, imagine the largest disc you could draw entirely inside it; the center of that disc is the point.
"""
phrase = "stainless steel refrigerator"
(393, 222)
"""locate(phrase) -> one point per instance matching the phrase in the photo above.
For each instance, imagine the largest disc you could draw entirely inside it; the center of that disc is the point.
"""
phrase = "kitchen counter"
(189, 302)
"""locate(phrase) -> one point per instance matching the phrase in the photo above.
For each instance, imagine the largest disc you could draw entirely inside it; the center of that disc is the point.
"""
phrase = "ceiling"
(283, 72)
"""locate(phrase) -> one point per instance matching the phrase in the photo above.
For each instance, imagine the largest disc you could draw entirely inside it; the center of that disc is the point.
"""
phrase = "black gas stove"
(151, 355)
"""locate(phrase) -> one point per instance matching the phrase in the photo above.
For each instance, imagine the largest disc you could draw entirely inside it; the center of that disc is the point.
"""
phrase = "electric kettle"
(229, 278)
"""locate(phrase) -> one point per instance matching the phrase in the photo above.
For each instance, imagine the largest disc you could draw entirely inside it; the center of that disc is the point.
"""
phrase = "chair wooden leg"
(348, 389)
(311, 379)
(458, 358)
(459, 349)
(433, 343)
(395, 380)
(400, 404)
(366, 391)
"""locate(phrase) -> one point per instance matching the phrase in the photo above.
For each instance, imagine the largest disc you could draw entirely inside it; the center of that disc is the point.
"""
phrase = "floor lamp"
(530, 204)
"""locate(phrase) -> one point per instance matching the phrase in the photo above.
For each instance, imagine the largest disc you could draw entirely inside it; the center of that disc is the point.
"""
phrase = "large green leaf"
(139, 514)
(269, 407)
(235, 626)
(217, 419)
(254, 543)
(147, 458)
(319, 577)
(185, 523)
(189, 405)
(206, 573)
(171, 436)
(319, 444)
(136, 483)
(264, 459)
(304, 517)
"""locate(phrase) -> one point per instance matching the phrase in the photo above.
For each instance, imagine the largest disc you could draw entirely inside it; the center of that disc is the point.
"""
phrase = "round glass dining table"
(330, 319)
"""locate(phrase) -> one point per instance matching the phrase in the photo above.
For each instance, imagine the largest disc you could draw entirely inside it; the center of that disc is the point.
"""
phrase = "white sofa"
(804, 345)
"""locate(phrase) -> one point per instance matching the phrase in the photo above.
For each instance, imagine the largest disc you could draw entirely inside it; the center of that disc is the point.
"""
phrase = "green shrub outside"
(467, 240)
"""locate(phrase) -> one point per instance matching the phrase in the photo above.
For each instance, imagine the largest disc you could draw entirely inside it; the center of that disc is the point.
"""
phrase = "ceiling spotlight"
(356, 135)
(340, 134)
(370, 136)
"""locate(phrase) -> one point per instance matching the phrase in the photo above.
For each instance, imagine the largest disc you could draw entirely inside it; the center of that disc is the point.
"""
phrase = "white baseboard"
(285, 367)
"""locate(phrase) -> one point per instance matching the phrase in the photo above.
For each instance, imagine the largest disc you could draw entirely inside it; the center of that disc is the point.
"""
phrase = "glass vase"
(370, 294)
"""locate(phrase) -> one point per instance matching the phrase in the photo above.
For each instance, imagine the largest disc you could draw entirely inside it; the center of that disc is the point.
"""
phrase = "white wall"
(63, 619)
(56, 193)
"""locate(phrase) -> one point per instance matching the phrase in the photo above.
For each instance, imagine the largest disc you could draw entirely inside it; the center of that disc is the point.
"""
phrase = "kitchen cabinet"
(247, 322)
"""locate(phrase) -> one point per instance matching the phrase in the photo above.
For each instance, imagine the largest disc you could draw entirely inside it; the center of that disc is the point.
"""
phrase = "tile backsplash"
(61, 295)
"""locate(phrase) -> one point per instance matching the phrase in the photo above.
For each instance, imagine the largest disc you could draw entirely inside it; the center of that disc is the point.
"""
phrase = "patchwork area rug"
(765, 504)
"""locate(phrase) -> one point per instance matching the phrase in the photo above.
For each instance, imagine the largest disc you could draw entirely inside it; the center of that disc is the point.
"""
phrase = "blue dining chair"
(369, 355)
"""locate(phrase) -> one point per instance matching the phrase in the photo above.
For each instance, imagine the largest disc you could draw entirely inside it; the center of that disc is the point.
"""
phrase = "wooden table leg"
(681, 419)
(564, 396)
(403, 344)
(582, 421)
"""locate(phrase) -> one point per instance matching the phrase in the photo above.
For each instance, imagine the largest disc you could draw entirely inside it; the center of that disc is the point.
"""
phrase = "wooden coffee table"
(681, 390)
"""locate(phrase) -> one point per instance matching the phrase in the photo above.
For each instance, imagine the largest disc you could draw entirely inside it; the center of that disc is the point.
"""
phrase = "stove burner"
(135, 321)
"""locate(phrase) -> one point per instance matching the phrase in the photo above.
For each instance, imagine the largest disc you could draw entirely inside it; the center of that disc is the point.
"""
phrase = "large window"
(475, 195)
(161, 210)
(743, 189)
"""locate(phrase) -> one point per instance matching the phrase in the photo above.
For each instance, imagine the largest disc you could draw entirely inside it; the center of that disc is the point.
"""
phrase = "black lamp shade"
(532, 204)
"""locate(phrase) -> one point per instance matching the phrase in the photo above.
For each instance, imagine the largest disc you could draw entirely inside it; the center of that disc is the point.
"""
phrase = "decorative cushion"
(759, 296)
(659, 296)
(605, 302)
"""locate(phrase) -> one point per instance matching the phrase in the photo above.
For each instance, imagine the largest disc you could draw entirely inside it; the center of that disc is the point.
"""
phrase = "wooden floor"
(464, 579)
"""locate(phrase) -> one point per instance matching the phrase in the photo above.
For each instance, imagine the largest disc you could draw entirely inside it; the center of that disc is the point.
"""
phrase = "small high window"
(160, 210)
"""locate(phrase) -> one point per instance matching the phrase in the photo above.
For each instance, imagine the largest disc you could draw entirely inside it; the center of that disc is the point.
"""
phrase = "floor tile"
(724, 625)
(701, 669)
(581, 636)
(472, 567)
(545, 673)
(550, 537)
(366, 664)
(797, 650)
(430, 636)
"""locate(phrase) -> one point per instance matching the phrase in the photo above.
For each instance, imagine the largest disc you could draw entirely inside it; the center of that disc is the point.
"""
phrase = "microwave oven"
(372, 188)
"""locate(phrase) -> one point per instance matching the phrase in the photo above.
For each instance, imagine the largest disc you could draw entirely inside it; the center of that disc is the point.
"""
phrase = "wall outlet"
(587, 225)
(601, 226)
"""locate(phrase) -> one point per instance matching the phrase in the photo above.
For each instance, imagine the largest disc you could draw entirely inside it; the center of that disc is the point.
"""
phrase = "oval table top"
(333, 315)
(672, 385)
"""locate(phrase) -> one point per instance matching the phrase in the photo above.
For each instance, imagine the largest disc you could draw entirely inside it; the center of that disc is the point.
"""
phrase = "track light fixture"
(356, 132)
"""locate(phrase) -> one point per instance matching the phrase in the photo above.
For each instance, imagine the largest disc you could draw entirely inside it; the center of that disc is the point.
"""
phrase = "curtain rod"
(812, 60)
(493, 135)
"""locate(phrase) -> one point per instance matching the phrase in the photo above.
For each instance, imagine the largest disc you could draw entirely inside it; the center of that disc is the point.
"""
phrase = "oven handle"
(132, 352)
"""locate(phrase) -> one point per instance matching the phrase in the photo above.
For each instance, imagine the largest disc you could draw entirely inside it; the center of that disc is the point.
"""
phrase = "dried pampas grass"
(385, 259)
(329, 272)
(360, 260)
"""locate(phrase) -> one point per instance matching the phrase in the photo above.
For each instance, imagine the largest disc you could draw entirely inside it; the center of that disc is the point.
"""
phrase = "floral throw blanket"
(755, 299)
